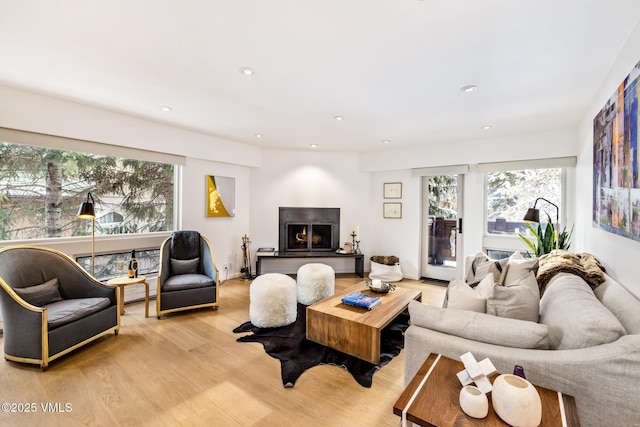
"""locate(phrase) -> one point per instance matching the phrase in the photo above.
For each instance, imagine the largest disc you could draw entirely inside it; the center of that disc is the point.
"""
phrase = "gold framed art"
(392, 190)
(392, 210)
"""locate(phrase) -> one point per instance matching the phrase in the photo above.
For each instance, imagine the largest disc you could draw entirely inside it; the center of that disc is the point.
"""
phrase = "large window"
(41, 190)
(511, 193)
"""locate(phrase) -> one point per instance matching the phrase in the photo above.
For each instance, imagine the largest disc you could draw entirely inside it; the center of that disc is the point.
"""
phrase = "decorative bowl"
(383, 289)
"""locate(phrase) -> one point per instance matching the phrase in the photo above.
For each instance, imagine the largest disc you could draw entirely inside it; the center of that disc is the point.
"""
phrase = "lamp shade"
(86, 209)
(533, 215)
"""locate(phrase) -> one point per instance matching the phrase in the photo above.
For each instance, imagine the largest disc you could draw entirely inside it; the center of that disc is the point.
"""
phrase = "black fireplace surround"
(309, 229)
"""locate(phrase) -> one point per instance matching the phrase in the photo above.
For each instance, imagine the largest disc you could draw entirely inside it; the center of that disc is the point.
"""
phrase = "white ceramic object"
(516, 401)
(474, 402)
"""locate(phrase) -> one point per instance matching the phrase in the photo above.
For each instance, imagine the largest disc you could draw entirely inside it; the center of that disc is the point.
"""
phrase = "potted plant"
(544, 241)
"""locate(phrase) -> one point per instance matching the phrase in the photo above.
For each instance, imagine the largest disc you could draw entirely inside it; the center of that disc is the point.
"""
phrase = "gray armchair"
(50, 305)
(188, 277)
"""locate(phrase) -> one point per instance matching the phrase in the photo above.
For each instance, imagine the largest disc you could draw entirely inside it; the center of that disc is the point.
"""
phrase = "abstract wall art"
(221, 196)
(616, 184)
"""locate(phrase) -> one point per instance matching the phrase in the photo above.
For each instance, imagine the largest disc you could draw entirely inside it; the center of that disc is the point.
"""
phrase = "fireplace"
(309, 229)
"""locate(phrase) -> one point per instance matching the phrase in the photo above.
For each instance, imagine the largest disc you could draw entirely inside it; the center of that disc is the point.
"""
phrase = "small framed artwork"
(392, 210)
(392, 190)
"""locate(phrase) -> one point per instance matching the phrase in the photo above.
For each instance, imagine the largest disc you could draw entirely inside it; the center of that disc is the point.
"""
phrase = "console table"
(313, 256)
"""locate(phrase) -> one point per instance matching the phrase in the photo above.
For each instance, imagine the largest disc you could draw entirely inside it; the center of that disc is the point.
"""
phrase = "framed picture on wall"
(221, 196)
(392, 190)
(392, 210)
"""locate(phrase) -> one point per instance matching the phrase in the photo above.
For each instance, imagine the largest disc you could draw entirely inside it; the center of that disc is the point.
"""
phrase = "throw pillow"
(480, 327)
(463, 297)
(575, 317)
(40, 295)
(481, 265)
(520, 300)
(184, 266)
(518, 267)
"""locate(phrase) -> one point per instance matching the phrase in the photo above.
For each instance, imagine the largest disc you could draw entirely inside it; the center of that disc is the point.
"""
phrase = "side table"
(432, 399)
(121, 282)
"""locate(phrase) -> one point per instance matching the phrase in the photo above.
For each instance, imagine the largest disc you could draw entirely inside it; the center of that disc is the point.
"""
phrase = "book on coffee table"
(359, 299)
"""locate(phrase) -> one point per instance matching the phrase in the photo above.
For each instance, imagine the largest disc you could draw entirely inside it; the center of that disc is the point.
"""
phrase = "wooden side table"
(432, 399)
(121, 282)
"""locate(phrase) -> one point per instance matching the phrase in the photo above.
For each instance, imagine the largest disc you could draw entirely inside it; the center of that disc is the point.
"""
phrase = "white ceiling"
(392, 68)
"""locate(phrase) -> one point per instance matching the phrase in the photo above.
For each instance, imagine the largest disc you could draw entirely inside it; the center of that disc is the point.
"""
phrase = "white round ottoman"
(272, 301)
(315, 282)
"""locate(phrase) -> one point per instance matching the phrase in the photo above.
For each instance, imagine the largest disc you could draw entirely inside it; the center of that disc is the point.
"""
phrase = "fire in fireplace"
(309, 229)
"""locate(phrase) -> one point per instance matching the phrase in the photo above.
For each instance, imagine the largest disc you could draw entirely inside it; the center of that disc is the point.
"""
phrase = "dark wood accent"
(358, 259)
(437, 404)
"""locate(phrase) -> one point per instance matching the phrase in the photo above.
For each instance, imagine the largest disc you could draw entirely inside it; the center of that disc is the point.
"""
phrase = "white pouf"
(272, 300)
(315, 282)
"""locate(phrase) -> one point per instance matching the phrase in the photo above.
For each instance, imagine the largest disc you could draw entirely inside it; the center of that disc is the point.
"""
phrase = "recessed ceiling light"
(338, 118)
(258, 135)
(386, 141)
(469, 88)
(314, 145)
(246, 71)
(486, 127)
(166, 108)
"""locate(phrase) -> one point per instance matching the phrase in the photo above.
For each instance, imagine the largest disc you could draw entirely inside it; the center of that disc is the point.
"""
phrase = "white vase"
(474, 402)
(516, 401)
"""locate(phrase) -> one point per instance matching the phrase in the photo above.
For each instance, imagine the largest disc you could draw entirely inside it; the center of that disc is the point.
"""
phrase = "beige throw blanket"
(583, 265)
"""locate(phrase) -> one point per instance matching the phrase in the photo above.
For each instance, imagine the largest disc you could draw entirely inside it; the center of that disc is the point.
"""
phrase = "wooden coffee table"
(121, 282)
(353, 330)
(432, 399)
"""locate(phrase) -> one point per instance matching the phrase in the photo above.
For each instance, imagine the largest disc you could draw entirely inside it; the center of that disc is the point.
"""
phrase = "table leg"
(146, 299)
(121, 289)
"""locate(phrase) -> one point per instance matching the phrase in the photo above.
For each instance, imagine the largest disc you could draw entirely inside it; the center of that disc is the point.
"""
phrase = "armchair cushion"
(185, 244)
(66, 311)
(186, 281)
(480, 326)
(40, 295)
(184, 266)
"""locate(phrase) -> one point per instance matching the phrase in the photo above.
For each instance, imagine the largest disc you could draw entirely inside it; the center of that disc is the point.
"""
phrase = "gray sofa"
(50, 305)
(586, 344)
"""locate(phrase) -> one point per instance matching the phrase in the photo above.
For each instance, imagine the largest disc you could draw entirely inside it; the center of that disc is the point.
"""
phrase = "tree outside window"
(41, 189)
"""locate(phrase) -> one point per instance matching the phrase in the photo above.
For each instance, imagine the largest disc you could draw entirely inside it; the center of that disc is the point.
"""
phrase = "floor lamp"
(533, 215)
(86, 211)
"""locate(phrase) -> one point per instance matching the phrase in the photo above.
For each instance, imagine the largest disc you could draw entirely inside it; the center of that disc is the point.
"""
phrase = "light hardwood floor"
(188, 370)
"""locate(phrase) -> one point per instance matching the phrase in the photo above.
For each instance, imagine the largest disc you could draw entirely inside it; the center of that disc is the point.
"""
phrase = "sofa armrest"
(480, 327)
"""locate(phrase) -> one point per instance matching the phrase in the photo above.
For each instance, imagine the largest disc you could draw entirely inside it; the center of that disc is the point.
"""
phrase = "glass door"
(442, 226)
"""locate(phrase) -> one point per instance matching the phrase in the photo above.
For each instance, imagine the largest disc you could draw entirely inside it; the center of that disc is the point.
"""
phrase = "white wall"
(619, 255)
(225, 234)
(308, 179)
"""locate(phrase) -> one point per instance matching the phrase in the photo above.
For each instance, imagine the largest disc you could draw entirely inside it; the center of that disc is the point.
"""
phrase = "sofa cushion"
(519, 300)
(461, 296)
(518, 267)
(40, 295)
(480, 327)
(575, 317)
(66, 311)
(184, 266)
(186, 281)
(621, 303)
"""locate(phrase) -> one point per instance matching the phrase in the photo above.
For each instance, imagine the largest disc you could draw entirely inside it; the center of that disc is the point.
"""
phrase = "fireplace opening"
(309, 229)
(308, 237)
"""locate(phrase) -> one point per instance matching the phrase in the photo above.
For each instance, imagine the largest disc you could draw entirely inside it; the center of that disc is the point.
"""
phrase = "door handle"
(460, 225)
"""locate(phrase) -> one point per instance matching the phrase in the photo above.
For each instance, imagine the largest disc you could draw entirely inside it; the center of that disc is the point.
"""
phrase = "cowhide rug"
(297, 354)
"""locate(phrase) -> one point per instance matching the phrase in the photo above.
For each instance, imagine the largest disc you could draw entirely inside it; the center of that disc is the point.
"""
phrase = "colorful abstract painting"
(221, 196)
(616, 184)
